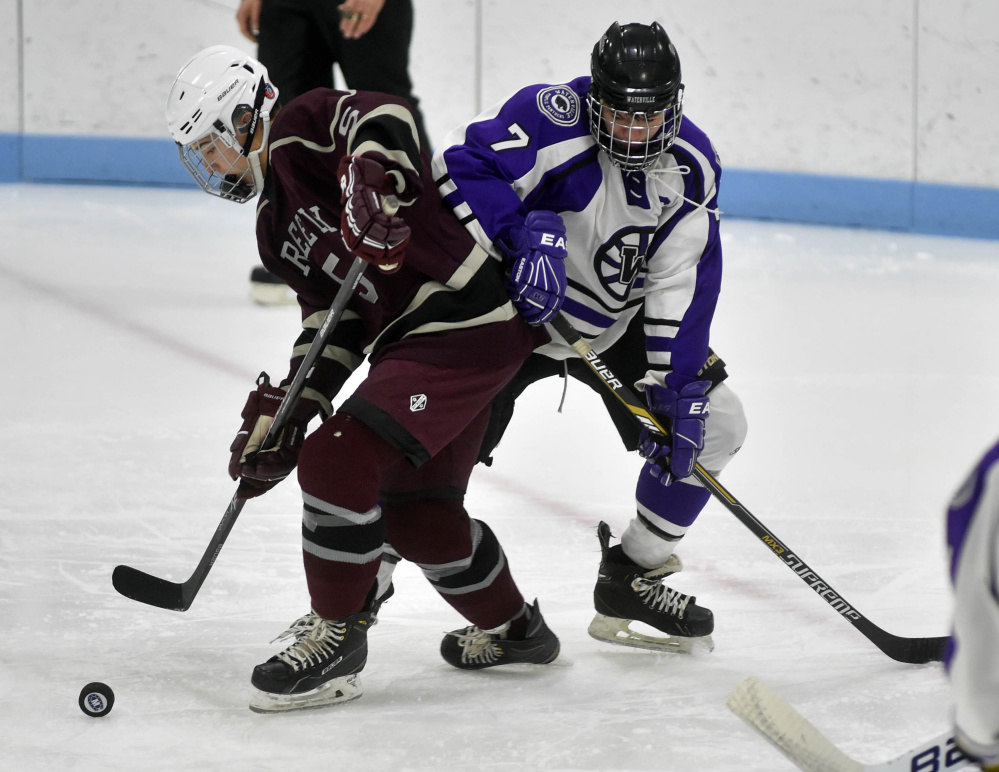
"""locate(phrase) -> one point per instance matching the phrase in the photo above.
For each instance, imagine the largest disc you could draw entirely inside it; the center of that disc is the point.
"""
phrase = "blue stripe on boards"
(928, 208)
(951, 210)
(916, 207)
(48, 158)
(10, 158)
(816, 199)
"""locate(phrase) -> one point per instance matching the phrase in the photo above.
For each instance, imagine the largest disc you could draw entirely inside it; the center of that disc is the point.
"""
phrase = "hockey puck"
(96, 699)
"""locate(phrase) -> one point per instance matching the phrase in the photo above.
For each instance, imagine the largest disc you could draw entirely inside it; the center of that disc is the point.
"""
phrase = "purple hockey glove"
(537, 270)
(676, 455)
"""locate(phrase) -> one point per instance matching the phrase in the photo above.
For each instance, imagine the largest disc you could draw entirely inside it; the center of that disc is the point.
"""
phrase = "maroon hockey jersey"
(447, 304)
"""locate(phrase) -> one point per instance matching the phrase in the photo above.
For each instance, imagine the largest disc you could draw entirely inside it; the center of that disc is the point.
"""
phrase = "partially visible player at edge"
(608, 166)
(442, 338)
(972, 656)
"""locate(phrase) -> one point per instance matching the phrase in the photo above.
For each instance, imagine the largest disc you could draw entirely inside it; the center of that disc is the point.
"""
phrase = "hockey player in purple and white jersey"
(440, 334)
(972, 656)
(602, 171)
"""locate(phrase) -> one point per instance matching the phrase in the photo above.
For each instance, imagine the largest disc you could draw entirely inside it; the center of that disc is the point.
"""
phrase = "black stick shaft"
(297, 385)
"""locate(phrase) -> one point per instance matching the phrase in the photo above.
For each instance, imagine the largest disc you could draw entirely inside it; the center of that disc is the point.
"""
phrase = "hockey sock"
(664, 515)
(460, 557)
(678, 504)
(343, 530)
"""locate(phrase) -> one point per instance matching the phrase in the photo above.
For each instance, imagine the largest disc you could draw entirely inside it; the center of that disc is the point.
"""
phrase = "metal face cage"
(644, 146)
(219, 166)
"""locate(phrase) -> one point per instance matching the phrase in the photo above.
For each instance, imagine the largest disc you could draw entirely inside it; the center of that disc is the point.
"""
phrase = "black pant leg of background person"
(292, 44)
(300, 40)
(379, 60)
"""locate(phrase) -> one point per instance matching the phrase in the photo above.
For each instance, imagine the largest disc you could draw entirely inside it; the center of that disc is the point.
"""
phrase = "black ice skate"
(266, 289)
(626, 592)
(474, 649)
(320, 668)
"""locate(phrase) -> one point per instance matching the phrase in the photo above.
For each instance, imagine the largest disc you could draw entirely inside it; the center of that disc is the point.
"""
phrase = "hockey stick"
(809, 749)
(154, 591)
(910, 650)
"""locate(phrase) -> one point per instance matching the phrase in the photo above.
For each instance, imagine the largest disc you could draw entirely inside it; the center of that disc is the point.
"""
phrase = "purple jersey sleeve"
(485, 158)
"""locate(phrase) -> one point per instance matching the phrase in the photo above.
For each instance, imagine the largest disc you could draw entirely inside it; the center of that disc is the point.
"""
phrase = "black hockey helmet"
(636, 82)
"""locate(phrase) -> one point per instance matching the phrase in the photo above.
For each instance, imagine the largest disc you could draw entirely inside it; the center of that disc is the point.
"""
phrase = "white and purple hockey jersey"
(972, 657)
(639, 242)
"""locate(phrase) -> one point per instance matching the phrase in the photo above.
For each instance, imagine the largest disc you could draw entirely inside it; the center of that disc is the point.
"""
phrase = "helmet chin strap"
(261, 119)
(254, 157)
(251, 129)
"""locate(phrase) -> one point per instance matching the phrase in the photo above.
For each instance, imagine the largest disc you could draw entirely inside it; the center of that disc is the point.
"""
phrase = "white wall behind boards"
(958, 92)
(104, 67)
(9, 66)
(897, 91)
(893, 89)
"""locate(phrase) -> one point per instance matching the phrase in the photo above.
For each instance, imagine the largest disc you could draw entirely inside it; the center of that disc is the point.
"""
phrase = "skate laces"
(479, 646)
(317, 639)
(658, 596)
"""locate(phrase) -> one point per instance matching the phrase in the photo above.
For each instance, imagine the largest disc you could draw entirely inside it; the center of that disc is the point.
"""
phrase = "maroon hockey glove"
(367, 229)
(260, 470)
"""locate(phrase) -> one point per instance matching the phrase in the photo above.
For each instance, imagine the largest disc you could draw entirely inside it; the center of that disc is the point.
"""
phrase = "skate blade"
(272, 294)
(330, 693)
(618, 631)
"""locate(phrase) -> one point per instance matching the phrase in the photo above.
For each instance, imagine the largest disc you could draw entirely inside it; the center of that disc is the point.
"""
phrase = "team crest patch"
(417, 403)
(620, 260)
(560, 104)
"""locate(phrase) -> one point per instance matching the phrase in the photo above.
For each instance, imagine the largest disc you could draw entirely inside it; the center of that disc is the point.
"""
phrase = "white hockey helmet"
(216, 105)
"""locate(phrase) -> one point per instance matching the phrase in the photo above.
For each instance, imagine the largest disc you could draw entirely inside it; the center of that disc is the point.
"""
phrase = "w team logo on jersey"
(560, 104)
(619, 262)
(417, 402)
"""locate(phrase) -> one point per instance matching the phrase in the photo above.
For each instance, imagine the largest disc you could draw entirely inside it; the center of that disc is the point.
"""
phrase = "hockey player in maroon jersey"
(432, 316)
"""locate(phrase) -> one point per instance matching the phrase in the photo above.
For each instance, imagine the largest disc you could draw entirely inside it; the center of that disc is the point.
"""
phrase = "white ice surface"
(869, 366)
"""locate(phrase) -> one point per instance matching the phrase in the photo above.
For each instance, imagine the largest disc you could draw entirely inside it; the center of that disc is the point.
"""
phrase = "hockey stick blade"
(149, 589)
(153, 591)
(913, 651)
(787, 730)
